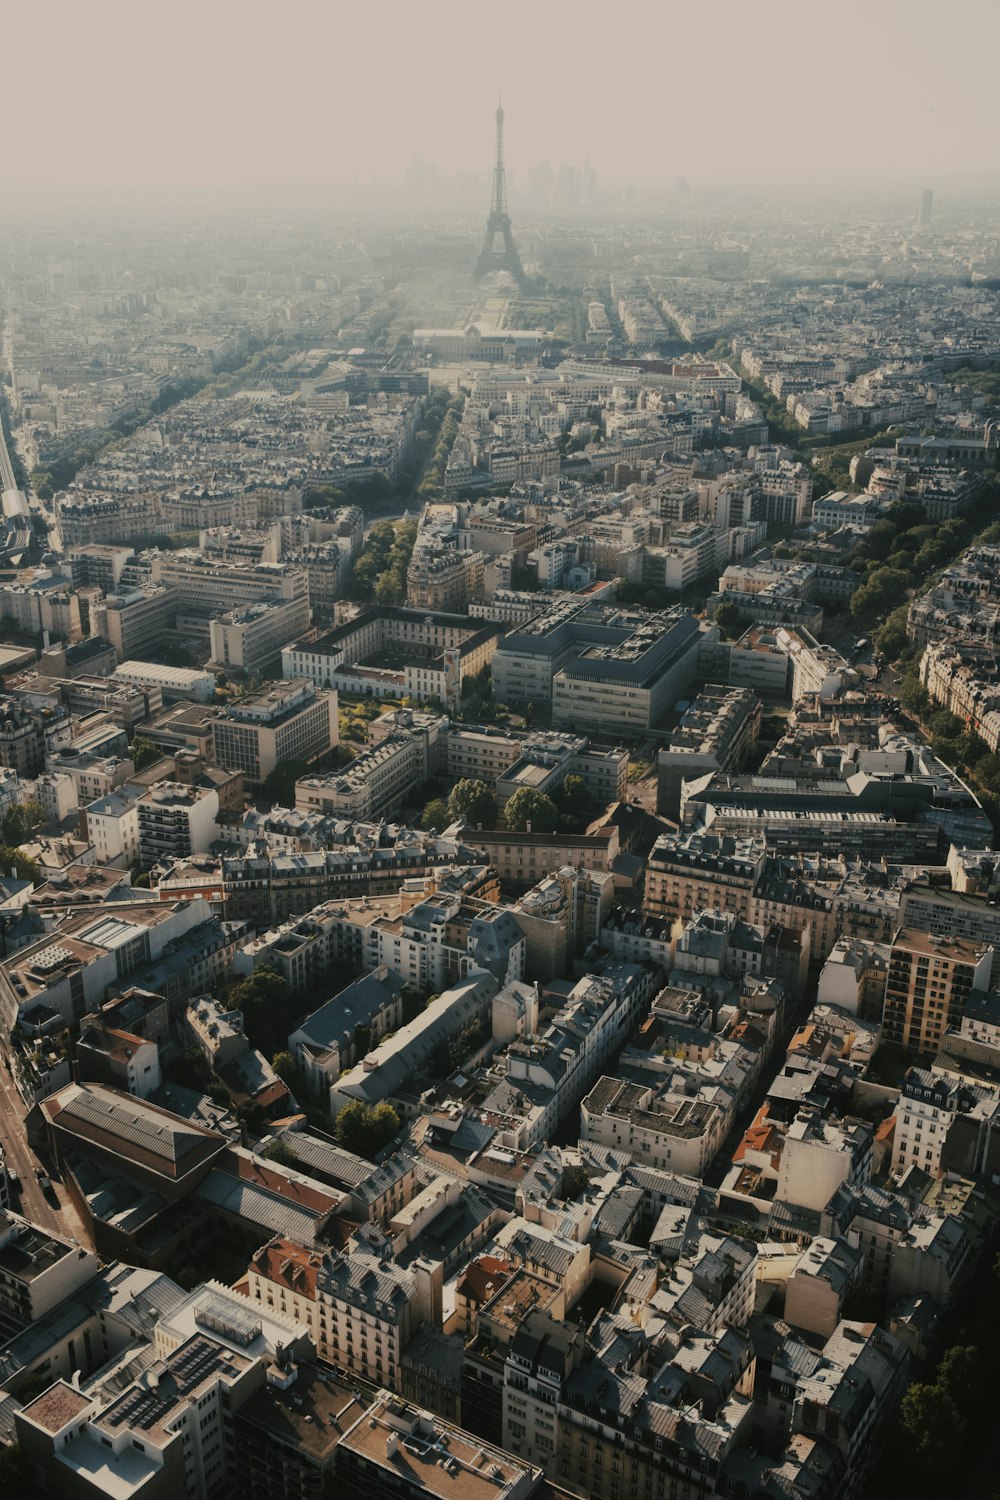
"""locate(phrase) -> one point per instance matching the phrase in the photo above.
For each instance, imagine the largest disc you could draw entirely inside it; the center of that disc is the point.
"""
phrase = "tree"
(729, 621)
(278, 1151)
(268, 1012)
(475, 802)
(913, 695)
(883, 589)
(280, 784)
(364, 1131)
(960, 1373)
(144, 753)
(931, 1422)
(892, 639)
(435, 814)
(22, 865)
(576, 1180)
(21, 822)
(286, 1065)
(573, 796)
(528, 807)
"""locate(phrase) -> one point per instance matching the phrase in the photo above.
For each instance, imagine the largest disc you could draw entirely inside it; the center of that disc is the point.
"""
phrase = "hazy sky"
(238, 91)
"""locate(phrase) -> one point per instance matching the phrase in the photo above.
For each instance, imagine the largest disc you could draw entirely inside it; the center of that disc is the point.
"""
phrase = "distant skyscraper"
(589, 183)
(683, 187)
(926, 208)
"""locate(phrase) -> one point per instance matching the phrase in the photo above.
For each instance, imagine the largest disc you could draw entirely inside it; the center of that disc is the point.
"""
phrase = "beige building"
(447, 579)
(930, 980)
(700, 873)
(281, 721)
(249, 639)
(136, 622)
(523, 858)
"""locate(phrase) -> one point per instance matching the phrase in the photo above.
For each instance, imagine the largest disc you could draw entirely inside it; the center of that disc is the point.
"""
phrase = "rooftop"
(415, 1450)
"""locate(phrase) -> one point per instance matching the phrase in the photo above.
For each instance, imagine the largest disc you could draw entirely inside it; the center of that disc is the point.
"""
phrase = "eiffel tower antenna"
(503, 257)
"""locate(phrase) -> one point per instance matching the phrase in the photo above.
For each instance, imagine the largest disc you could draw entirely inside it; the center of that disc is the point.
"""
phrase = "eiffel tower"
(506, 257)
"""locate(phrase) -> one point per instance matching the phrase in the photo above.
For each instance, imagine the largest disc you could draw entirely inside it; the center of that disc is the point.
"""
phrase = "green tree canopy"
(573, 795)
(931, 1423)
(280, 784)
(882, 591)
(891, 638)
(528, 806)
(21, 822)
(435, 814)
(474, 801)
(268, 1010)
(286, 1065)
(729, 621)
(24, 867)
(144, 753)
(364, 1130)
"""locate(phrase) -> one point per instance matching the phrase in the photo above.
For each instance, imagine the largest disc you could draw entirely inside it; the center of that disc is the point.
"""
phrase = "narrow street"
(53, 1210)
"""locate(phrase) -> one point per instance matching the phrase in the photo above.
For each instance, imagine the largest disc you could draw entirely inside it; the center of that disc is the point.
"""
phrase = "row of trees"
(903, 550)
(433, 479)
(380, 568)
(475, 802)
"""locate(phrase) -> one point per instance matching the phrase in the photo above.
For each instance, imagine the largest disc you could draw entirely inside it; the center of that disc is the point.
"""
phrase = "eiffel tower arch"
(500, 256)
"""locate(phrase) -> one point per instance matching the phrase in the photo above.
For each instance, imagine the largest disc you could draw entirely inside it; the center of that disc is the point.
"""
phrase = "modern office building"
(281, 721)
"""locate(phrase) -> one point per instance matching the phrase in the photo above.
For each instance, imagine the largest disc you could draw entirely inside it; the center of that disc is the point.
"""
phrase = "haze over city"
(113, 93)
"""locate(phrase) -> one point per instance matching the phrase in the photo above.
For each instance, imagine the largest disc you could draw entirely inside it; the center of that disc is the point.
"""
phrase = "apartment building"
(397, 1449)
(819, 1155)
(207, 586)
(360, 1309)
(112, 825)
(169, 1429)
(389, 1070)
(553, 1071)
(703, 871)
(592, 666)
(38, 1270)
(930, 980)
(928, 1104)
(522, 859)
(950, 913)
(717, 732)
(23, 736)
(176, 820)
(385, 652)
(173, 684)
(68, 973)
(335, 1036)
(757, 662)
(444, 579)
(677, 1123)
(376, 782)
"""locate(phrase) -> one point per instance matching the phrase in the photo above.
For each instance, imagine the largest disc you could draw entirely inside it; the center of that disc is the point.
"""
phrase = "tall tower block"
(502, 256)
